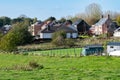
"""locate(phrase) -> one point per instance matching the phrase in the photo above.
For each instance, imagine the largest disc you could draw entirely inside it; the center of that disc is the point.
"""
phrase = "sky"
(42, 9)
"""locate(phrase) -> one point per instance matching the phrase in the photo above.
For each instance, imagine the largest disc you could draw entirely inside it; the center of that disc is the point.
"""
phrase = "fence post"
(75, 52)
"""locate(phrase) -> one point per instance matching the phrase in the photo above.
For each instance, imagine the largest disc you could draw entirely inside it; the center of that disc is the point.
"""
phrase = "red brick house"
(103, 26)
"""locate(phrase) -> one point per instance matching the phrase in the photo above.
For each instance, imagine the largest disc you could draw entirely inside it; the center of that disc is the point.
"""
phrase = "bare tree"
(93, 13)
(113, 15)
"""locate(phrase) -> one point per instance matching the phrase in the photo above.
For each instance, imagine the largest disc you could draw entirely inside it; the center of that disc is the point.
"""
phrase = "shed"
(113, 46)
(95, 49)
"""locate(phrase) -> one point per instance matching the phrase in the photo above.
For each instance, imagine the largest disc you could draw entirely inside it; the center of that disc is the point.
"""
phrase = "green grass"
(57, 68)
(58, 52)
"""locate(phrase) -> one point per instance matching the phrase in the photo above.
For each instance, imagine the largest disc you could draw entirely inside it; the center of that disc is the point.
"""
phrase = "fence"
(58, 52)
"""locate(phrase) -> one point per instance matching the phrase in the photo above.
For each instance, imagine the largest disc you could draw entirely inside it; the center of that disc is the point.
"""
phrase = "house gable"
(81, 26)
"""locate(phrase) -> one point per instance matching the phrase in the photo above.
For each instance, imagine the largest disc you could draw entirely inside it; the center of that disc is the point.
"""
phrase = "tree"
(28, 21)
(51, 19)
(118, 20)
(4, 21)
(18, 35)
(113, 15)
(1, 22)
(62, 20)
(21, 31)
(8, 42)
(35, 20)
(93, 13)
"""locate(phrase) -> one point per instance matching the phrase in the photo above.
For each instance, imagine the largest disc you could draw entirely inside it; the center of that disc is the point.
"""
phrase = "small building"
(113, 46)
(95, 49)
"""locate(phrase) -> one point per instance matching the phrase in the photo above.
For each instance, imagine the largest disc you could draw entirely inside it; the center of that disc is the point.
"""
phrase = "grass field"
(57, 68)
(58, 52)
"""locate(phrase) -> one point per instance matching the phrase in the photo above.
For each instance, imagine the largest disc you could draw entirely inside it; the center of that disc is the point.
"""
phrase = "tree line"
(4, 20)
(93, 12)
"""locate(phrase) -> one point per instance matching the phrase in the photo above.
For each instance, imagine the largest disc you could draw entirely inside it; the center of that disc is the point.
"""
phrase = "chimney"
(48, 27)
(102, 16)
(108, 16)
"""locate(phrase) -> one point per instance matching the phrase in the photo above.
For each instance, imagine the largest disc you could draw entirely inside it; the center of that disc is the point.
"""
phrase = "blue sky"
(42, 9)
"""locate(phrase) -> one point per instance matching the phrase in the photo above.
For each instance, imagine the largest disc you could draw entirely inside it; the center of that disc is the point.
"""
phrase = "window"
(118, 29)
(111, 47)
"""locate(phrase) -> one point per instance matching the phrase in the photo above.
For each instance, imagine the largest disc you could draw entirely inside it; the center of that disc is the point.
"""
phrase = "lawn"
(58, 52)
(59, 68)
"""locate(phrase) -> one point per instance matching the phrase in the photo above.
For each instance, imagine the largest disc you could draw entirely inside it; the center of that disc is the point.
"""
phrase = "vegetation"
(8, 42)
(18, 35)
(56, 68)
(4, 21)
(93, 12)
(21, 31)
(118, 20)
(58, 38)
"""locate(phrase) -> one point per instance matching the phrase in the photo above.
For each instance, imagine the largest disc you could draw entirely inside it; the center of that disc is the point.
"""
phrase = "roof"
(101, 21)
(77, 22)
(114, 43)
(93, 45)
(66, 29)
(46, 31)
(117, 30)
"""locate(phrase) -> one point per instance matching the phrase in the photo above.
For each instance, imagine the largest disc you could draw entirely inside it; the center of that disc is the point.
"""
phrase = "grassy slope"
(56, 68)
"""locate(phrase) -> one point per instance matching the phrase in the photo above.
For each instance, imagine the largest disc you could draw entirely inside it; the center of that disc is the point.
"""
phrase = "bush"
(29, 67)
(69, 42)
(58, 38)
(34, 64)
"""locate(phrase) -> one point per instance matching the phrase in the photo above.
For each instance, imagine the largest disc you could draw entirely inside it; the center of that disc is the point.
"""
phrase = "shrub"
(69, 42)
(28, 67)
(22, 67)
(58, 38)
(34, 64)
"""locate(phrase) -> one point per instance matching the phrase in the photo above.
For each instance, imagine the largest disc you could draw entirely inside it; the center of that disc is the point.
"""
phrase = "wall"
(111, 48)
(45, 35)
(72, 35)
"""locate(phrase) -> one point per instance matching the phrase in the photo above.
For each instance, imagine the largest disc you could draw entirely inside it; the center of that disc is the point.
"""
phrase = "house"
(113, 46)
(103, 26)
(49, 30)
(95, 49)
(81, 26)
(117, 32)
(36, 27)
(5, 29)
(70, 31)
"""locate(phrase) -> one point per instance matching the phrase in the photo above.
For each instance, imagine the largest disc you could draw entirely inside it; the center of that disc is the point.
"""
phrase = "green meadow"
(17, 67)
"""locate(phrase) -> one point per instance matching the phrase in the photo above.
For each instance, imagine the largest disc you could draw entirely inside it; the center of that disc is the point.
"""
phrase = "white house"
(112, 47)
(117, 32)
(48, 31)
